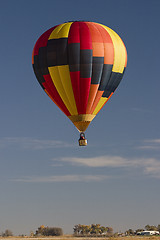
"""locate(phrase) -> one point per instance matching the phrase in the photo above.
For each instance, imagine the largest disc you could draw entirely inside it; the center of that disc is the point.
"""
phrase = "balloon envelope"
(79, 65)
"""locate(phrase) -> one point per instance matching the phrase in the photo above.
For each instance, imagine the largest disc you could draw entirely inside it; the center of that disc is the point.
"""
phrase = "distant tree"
(130, 232)
(103, 230)
(40, 230)
(110, 231)
(139, 230)
(7, 233)
(77, 229)
(158, 227)
(147, 227)
(151, 228)
(49, 231)
(83, 229)
(93, 229)
(31, 234)
(86, 229)
(52, 231)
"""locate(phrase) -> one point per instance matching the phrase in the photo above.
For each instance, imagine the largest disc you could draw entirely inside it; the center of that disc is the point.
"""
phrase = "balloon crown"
(77, 21)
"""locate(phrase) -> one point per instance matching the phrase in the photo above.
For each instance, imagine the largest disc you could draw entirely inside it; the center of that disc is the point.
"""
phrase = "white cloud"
(150, 166)
(150, 144)
(31, 143)
(63, 178)
(101, 161)
(149, 147)
(153, 140)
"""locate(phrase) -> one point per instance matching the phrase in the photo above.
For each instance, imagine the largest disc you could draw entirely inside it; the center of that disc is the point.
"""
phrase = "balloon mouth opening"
(82, 121)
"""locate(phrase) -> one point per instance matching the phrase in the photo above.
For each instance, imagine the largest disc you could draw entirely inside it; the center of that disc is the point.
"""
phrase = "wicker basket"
(82, 142)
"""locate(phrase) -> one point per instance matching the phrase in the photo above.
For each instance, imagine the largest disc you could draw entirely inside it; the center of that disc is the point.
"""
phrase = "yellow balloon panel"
(56, 78)
(100, 104)
(66, 82)
(119, 51)
(60, 31)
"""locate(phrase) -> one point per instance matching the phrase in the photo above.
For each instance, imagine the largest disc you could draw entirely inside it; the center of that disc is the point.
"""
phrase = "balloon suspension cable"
(82, 140)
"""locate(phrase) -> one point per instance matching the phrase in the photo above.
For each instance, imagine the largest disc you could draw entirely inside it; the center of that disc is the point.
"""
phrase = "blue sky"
(45, 177)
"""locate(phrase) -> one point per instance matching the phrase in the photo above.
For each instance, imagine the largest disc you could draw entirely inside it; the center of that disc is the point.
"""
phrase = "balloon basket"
(82, 140)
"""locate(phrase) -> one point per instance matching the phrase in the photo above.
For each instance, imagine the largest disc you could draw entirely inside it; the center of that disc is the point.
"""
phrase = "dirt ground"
(83, 238)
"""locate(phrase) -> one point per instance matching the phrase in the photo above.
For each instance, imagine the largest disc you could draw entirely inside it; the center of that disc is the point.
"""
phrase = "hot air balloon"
(79, 65)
